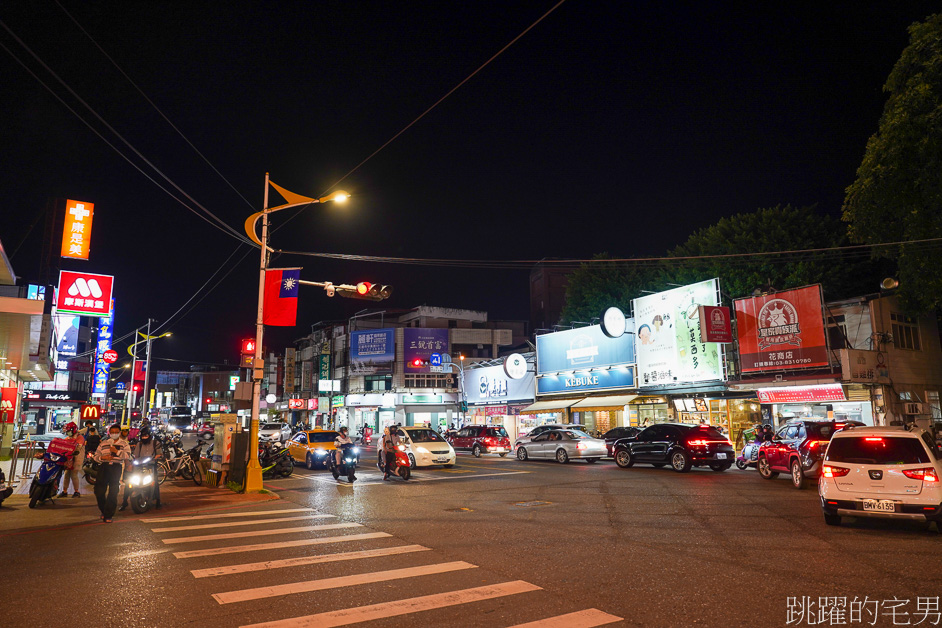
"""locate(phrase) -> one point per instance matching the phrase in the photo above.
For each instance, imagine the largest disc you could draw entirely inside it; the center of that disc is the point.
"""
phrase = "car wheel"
(522, 453)
(741, 464)
(309, 462)
(680, 461)
(623, 459)
(561, 456)
(832, 520)
(381, 462)
(798, 475)
(412, 461)
(765, 470)
(476, 450)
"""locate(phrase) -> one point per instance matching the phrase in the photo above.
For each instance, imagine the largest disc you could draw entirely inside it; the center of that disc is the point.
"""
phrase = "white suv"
(882, 472)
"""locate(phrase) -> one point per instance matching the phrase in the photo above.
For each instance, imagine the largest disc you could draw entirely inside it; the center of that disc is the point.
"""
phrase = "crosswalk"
(331, 565)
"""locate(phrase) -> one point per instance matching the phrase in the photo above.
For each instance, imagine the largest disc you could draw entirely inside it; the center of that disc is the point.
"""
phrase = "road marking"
(253, 513)
(402, 607)
(242, 535)
(371, 482)
(231, 524)
(307, 560)
(216, 551)
(588, 618)
(341, 581)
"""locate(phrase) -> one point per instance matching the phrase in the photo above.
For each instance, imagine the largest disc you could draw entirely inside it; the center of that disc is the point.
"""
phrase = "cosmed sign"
(668, 340)
(77, 229)
(783, 330)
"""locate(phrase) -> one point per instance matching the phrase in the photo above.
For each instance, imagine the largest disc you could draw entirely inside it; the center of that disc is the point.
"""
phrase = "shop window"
(905, 332)
(377, 382)
(932, 398)
(428, 380)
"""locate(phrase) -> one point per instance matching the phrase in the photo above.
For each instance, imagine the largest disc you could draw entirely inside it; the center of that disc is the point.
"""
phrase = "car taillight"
(581, 446)
(834, 472)
(699, 442)
(926, 475)
(817, 443)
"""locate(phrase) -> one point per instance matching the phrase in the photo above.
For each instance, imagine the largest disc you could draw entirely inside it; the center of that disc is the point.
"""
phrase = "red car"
(207, 431)
(482, 439)
(798, 449)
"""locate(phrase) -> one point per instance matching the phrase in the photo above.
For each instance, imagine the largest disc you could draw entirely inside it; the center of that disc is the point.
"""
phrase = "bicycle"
(186, 466)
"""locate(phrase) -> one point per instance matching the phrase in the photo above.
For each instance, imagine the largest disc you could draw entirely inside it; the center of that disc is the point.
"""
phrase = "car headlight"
(320, 452)
(421, 450)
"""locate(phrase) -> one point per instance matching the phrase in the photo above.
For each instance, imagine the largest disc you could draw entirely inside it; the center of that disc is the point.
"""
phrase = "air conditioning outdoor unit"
(913, 408)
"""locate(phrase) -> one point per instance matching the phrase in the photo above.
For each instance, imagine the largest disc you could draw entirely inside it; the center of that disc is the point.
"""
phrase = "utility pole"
(145, 406)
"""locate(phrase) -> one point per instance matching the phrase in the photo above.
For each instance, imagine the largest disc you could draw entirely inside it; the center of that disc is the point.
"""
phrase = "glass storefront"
(838, 410)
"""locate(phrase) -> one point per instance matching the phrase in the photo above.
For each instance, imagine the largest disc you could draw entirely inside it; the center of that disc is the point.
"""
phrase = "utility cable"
(152, 104)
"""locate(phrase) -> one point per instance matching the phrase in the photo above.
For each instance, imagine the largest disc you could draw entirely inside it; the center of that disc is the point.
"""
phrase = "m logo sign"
(84, 293)
(90, 412)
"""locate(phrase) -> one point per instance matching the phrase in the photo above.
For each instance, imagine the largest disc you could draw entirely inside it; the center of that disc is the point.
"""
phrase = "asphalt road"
(490, 542)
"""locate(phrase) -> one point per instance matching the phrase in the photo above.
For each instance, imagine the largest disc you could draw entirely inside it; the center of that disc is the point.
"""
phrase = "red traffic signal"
(419, 363)
(138, 387)
(209, 399)
(248, 346)
(363, 288)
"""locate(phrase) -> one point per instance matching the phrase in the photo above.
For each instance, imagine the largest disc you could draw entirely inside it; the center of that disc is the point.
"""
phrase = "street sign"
(120, 386)
(446, 358)
(77, 229)
(436, 369)
(435, 359)
(110, 356)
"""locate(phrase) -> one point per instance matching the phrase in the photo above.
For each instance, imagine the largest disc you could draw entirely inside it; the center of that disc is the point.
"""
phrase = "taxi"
(312, 447)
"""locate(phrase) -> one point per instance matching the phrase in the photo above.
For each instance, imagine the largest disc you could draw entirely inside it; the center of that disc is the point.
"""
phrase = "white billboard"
(667, 337)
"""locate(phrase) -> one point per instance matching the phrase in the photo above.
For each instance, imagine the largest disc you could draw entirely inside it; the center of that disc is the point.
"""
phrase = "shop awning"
(549, 406)
(596, 404)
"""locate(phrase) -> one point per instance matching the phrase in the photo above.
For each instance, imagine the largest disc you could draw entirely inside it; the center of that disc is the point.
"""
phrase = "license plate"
(879, 505)
(499, 449)
(441, 460)
(721, 456)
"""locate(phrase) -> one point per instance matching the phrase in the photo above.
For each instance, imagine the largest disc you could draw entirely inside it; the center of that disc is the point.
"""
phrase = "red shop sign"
(800, 394)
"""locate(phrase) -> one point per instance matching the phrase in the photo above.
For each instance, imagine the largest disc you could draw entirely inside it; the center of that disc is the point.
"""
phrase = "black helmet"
(145, 431)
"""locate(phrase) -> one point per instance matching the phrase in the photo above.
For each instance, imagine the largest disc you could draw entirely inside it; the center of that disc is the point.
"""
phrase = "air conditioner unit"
(913, 408)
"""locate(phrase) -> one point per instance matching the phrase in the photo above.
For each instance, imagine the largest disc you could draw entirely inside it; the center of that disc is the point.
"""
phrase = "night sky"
(618, 127)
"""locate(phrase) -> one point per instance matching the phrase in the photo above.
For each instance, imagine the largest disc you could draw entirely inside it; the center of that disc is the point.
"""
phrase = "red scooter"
(403, 467)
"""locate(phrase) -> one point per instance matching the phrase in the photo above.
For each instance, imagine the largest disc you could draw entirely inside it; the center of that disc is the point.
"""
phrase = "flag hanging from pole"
(281, 297)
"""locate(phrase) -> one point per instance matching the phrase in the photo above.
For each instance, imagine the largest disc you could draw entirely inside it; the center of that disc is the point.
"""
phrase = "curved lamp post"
(253, 477)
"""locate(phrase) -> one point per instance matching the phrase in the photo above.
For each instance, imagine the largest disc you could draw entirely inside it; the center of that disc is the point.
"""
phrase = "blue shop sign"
(583, 348)
(586, 381)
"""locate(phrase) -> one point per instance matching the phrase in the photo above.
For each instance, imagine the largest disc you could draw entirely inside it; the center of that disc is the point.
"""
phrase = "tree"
(842, 274)
(897, 195)
(593, 287)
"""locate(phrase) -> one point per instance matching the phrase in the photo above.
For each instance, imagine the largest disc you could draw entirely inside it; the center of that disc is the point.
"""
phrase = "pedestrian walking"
(111, 454)
(74, 464)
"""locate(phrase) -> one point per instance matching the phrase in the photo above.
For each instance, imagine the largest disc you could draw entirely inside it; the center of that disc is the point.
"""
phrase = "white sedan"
(426, 447)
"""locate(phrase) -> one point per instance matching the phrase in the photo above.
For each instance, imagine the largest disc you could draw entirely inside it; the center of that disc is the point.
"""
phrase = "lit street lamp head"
(338, 197)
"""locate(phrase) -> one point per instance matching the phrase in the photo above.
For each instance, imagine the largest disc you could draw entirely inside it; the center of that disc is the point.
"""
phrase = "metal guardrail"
(25, 453)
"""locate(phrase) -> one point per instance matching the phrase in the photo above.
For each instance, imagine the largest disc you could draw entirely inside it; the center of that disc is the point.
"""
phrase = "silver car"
(274, 432)
(563, 445)
(541, 429)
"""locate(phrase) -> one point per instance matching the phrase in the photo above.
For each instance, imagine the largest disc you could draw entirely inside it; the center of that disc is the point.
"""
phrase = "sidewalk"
(175, 497)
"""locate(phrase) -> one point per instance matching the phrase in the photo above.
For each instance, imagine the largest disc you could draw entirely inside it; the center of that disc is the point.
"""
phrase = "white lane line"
(306, 560)
(242, 535)
(253, 513)
(231, 524)
(371, 482)
(589, 618)
(245, 595)
(401, 607)
(216, 551)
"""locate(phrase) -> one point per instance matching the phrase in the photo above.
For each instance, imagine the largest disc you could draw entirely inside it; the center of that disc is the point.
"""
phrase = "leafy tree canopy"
(897, 195)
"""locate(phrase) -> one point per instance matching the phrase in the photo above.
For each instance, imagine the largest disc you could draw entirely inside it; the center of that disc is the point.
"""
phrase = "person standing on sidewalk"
(74, 465)
(111, 453)
(146, 447)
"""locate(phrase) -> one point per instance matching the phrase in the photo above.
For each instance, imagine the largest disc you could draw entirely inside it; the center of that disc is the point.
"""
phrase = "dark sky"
(618, 127)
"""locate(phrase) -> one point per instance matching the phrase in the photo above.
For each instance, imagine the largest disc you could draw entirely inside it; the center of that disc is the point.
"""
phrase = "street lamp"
(253, 476)
(132, 351)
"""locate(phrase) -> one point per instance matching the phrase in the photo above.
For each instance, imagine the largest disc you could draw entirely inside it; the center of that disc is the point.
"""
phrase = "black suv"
(680, 445)
(616, 434)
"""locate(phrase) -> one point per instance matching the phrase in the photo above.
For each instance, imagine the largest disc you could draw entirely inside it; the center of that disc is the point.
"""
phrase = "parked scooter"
(90, 468)
(5, 491)
(403, 466)
(275, 460)
(349, 456)
(46, 481)
(141, 484)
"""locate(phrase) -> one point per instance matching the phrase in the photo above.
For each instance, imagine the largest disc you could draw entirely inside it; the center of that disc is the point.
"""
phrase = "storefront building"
(496, 398)
(583, 376)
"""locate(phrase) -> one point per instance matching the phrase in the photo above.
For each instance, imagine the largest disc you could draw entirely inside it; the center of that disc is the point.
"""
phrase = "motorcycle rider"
(146, 447)
(111, 453)
(343, 438)
(391, 442)
(74, 465)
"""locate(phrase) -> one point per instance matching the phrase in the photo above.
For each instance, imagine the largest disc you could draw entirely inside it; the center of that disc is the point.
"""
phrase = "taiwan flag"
(281, 297)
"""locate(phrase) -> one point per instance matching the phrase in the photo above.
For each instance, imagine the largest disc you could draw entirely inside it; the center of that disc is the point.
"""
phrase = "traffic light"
(138, 388)
(209, 399)
(363, 290)
(418, 363)
(248, 346)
